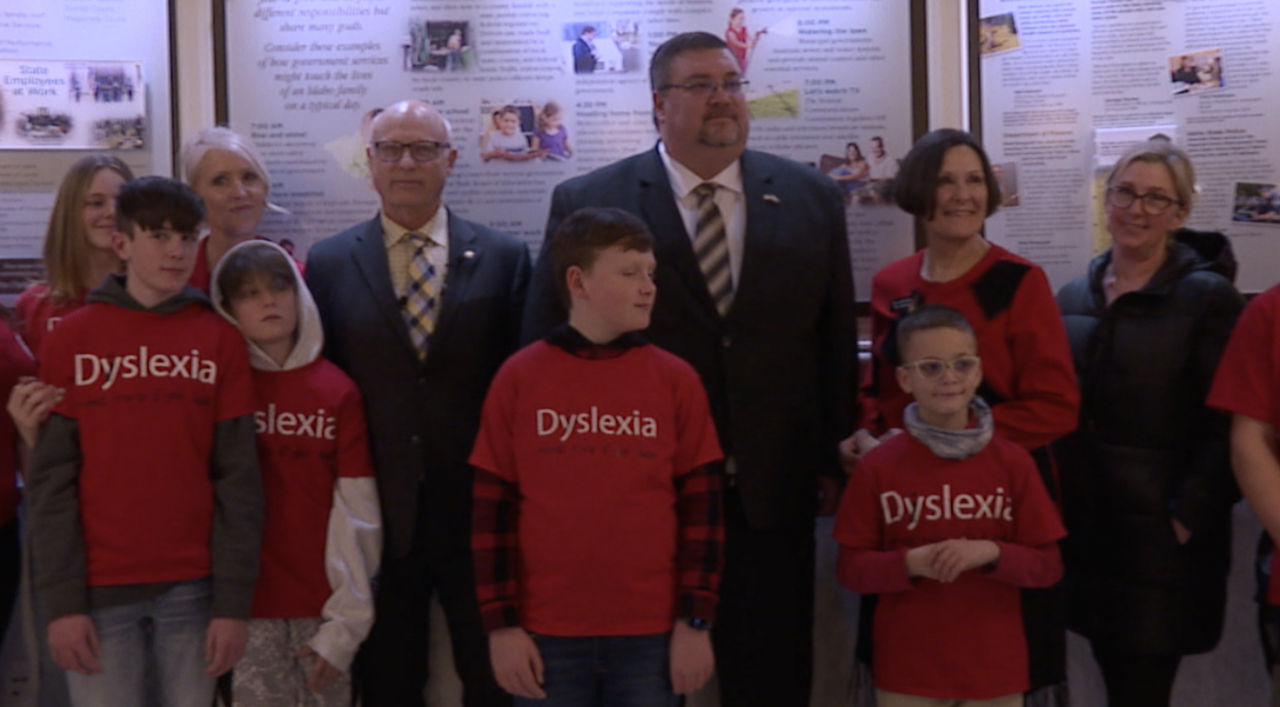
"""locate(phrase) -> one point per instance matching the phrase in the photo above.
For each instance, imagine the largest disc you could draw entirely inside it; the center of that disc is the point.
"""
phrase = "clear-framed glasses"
(704, 89)
(933, 368)
(424, 151)
(1152, 203)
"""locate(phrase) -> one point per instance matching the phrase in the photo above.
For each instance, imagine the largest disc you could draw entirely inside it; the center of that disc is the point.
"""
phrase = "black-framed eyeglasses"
(1152, 203)
(704, 89)
(424, 151)
(933, 368)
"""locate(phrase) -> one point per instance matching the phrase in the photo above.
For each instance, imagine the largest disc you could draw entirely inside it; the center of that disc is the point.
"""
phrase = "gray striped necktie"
(711, 246)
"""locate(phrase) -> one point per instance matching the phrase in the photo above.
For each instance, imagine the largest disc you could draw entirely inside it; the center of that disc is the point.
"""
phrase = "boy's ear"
(574, 279)
(120, 244)
(904, 379)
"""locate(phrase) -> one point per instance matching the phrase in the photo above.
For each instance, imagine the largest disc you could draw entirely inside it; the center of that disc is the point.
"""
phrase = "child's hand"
(73, 642)
(920, 561)
(30, 403)
(323, 674)
(957, 556)
(224, 644)
(516, 662)
(853, 447)
(692, 661)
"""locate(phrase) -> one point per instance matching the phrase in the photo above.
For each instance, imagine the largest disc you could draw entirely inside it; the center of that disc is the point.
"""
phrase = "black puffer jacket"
(1148, 451)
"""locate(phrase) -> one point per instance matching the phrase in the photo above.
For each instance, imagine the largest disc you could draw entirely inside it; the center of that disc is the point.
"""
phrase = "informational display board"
(541, 91)
(76, 76)
(1068, 85)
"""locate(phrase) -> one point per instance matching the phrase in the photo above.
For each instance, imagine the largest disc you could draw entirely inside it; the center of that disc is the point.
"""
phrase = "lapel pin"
(468, 254)
(772, 199)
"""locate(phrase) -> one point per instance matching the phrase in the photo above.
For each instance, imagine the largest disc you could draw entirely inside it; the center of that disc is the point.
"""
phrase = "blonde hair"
(220, 138)
(66, 241)
(1161, 151)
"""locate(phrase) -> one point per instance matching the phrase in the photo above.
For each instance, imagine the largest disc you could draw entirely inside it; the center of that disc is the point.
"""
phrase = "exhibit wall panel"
(1067, 86)
(300, 75)
(75, 78)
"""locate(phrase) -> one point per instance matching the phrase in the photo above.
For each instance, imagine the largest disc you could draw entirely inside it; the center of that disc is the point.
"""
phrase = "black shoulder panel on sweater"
(996, 287)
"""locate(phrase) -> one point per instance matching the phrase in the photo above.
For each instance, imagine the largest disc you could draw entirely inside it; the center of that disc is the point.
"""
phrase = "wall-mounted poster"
(1089, 79)
(75, 77)
(539, 92)
(72, 105)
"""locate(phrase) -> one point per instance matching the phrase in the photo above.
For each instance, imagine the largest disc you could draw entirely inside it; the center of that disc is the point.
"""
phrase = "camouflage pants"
(270, 675)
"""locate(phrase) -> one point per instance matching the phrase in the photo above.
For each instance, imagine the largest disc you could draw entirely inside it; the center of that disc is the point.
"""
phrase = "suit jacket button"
(422, 380)
(415, 440)
(725, 341)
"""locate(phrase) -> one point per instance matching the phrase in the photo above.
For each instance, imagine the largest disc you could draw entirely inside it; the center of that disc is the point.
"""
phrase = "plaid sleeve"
(700, 557)
(494, 552)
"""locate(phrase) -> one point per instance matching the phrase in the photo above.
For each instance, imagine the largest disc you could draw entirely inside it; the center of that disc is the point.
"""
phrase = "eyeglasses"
(932, 368)
(424, 151)
(1152, 203)
(704, 89)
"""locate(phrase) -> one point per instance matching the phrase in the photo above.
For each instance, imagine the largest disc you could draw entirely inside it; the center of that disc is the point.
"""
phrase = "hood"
(1213, 250)
(113, 291)
(310, 334)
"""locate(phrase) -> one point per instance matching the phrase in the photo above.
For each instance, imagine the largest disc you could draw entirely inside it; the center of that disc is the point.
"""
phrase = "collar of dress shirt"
(437, 229)
(683, 180)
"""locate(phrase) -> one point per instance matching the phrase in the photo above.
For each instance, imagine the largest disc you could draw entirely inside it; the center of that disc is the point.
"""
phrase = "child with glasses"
(946, 523)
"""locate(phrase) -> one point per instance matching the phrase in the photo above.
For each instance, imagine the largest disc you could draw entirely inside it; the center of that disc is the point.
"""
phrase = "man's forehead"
(704, 62)
(407, 127)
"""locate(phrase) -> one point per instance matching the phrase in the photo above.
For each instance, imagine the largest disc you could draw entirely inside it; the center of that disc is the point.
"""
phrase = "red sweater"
(1028, 377)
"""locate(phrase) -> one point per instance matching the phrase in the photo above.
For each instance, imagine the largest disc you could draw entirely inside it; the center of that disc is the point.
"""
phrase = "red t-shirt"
(1025, 357)
(963, 640)
(15, 362)
(37, 312)
(1248, 380)
(595, 446)
(146, 390)
(311, 431)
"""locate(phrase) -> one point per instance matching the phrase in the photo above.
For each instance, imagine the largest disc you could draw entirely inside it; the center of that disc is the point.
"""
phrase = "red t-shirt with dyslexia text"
(146, 390)
(965, 639)
(311, 432)
(37, 312)
(1248, 380)
(595, 447)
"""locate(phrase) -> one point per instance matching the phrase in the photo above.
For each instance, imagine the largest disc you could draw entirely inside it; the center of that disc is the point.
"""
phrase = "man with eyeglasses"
(755, 291)
(420, 308)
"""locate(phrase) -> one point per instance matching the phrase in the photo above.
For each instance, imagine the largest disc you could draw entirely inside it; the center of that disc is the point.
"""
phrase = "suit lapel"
(673, 243)
(370, 256)
(464, 257)
(763, 206)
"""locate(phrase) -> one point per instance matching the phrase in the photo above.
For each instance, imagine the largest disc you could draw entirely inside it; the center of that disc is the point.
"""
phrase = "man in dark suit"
(584, 52)
(770, 327)
(423, 355)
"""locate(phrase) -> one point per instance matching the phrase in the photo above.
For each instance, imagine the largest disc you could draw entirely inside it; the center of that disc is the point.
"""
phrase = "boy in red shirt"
(597, 527)
(946, 523)
(146, 503)
(1247, 385)
(313, 604)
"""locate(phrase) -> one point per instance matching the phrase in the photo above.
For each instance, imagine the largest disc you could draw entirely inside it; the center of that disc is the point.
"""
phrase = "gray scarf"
(953, 444)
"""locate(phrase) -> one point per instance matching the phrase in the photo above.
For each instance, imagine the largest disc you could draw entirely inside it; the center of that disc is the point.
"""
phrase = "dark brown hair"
(580, 238)
(915, 189)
